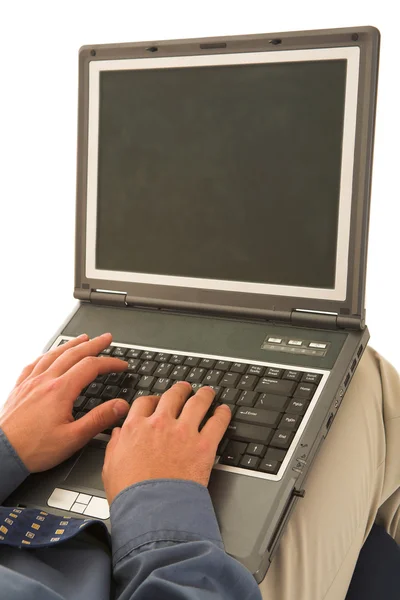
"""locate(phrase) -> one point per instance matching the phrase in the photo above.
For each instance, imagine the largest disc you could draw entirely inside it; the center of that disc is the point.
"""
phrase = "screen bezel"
(351, 55)
(158, 294)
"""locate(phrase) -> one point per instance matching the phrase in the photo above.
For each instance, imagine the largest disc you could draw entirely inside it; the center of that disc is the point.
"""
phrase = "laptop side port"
(359, 351)
(353, 365)
(329, 422)
(346, 381)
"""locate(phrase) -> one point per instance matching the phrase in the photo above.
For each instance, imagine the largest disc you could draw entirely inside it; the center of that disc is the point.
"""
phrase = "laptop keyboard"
(268, 403)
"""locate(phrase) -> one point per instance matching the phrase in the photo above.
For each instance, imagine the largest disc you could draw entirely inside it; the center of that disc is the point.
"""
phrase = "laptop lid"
(228, 174)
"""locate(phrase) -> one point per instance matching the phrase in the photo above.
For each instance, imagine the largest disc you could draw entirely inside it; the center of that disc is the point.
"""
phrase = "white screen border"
(350, 54)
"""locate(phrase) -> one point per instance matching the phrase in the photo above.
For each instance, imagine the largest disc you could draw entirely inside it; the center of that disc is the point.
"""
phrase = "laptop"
(223, 189)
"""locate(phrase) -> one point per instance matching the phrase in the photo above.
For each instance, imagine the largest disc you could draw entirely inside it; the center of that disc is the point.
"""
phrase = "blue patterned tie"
(31, 528)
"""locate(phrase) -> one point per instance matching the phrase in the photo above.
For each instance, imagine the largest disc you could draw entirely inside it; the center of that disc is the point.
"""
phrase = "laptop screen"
(224, 174)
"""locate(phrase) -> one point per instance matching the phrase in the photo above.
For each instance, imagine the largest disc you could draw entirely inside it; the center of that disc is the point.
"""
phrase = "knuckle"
(98, 419)
(158, 420)
(88, 362)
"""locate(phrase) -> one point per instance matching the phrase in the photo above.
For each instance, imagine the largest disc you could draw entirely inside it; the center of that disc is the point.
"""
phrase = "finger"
(217, 425)
(97, 420)
(112, 443)
(83, 373)
(144, 406)
(70, 358)
(46, 360)
(172, 401)
(197, 406)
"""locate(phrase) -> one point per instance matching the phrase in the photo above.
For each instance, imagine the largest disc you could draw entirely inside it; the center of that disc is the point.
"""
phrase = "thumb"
(100, 418)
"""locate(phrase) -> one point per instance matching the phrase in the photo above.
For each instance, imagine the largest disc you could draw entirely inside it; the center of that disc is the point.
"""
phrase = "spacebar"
(249, 433)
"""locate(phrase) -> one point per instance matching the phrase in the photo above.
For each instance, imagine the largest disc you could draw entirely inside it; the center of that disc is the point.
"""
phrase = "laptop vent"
(211, 46)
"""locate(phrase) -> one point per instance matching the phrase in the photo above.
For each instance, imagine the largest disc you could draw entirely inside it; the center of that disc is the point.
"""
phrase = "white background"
(39, 45)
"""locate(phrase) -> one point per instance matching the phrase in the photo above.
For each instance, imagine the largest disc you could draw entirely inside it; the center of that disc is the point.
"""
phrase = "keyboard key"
(148, 355)
(238, 368)
(163, 370)
(298, 406)
(275, 454)
(80, 402)
(106, 351)
(222, 445)
(114, 378)
(92, 403)
(232, 407)
(161, 385)
(141, 393)
(269, 466)
(256, 370)
(145, 382)
(233, 453)
(196, 375)
(276, 386)
(311, 378)
(274, 372)
(119, 351)
(292, 375)
(230, 395)
(196, 386)
(127, 394)
(282, 439)
(223, 365)
(133, 353)
(217, 389)
(247, 398)
(148, 367)
(290, 422)
(79, 415)
(94, 389)
(247, 382)
(305, 391)
(255, 449)
(162, 357)
(179, 373)
(272, 401)
(192, 361)
(177, 359)
(249, 462)
(130, 380)
(110, 392)
(101, 378)
(230, 379)
(249, 433)
(213, 377)
(258, 416)
(133, 365)
(207, 363)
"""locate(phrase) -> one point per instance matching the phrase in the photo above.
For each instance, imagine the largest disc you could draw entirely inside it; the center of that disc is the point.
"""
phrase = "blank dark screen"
(222, 172)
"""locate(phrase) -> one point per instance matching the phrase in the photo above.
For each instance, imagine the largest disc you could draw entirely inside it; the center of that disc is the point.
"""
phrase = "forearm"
(12, 470)
(166, 543)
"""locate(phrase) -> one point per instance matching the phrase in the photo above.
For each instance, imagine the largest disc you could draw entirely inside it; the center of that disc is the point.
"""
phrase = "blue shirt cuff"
(12, 470)
(161, 510)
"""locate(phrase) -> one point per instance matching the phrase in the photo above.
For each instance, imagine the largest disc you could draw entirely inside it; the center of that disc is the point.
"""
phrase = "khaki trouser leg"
(354, 481)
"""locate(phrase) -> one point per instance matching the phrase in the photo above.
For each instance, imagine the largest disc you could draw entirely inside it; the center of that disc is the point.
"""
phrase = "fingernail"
(121, 408)
(83, 335)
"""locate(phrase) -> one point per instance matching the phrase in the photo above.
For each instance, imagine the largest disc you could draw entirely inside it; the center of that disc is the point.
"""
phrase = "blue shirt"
(166, 545)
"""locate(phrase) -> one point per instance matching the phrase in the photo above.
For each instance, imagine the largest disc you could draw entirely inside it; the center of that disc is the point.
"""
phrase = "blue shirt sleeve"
(166, 544)
(12, 470)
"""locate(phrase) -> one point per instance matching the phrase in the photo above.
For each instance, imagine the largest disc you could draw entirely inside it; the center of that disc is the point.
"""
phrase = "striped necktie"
(31, 528)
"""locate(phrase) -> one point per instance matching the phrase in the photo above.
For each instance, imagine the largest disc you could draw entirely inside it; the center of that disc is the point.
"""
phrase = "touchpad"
(87, 470)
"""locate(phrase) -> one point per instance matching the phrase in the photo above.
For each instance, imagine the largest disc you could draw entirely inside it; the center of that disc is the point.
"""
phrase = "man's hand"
(37, 417)
(160, 438)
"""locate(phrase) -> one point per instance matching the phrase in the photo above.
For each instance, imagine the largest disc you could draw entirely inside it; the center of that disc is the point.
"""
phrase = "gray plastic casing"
(367, 39)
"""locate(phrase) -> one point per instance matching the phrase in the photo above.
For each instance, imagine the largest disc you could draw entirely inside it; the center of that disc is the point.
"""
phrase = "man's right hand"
(160, 438)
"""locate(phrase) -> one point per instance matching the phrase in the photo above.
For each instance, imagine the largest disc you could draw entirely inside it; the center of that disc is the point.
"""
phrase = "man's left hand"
(37, 417)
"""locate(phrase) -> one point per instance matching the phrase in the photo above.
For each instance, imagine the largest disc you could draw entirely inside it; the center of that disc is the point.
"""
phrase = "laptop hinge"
(325, 320)
(110, 298)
